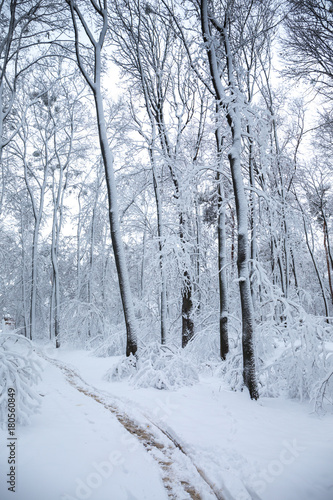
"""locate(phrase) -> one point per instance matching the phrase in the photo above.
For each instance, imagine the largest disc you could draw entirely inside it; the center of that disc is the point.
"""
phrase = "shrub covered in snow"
(293, 356)
(110, 344)
(163, 367)
(124, 368)
(157, 366)
(19, 370)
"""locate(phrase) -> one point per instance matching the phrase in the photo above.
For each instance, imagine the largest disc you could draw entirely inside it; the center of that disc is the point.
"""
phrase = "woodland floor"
(108, 441)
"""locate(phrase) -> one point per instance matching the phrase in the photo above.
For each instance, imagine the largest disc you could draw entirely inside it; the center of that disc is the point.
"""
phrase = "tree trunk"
(187, 306)
(253, 228)
(90, 279)
(187, 300)
(160, 233)
(1, 150)
(119, 254)
(187, 285)
(221, 234)
(55, 300)
(33, 298)
(316, 269)
(24, 286)
(78, 252)
(249, 373)
(328, 259)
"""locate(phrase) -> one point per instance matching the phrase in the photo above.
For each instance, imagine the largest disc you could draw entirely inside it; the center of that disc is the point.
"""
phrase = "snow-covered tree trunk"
(222, 257)
(117, 244)
(170, 157)
(327, 254)
(58, 203)
(253, 214)
(94, 82)
(151, 140)
(160, 233)
(90, 280)
(5, 44)
(23, 275)
(2, 172)
(78, 250)
(56, 228)
(315, 265)
(249, 374)
(231, 106)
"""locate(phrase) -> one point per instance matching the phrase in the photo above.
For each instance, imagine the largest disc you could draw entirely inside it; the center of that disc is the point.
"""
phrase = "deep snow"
(273, 449)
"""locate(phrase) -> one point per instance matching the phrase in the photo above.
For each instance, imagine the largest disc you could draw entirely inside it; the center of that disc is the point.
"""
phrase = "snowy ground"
(76, 448)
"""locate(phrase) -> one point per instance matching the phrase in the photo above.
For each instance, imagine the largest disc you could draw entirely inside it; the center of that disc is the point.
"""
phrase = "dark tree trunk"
(187, 306)
(187, 291)
(221, 234)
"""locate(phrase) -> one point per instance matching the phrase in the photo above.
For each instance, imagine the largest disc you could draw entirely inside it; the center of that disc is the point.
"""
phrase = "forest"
(166, 252)
(166, 186)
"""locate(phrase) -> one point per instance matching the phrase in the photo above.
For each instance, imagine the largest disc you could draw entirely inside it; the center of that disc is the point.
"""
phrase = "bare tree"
(65, 129)
(92, 74)
(309, 43)
(150, 140)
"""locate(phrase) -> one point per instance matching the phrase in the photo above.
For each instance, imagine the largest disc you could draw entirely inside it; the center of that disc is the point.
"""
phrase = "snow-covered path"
(102, 441)
(85, 446)
(76, 449)
(181, 478)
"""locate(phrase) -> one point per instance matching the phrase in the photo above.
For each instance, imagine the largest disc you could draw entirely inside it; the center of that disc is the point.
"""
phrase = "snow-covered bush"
(19, 370)
(87, 326)
(163, 367)
(157, 366)
(204, 349)
(110, 344)
(323, 389)
(231, 370)
(293, 356)
(123, 369)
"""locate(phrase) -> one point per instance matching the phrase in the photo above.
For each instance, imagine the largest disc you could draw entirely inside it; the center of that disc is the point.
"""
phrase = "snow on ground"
(76, 449)
(277, 448)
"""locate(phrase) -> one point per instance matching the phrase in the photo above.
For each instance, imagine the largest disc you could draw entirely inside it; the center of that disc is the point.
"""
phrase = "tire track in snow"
(166, 453)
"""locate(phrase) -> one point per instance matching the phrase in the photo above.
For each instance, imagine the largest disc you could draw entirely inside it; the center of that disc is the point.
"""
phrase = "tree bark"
(221, 234)
(160, 234)
(326, 246)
